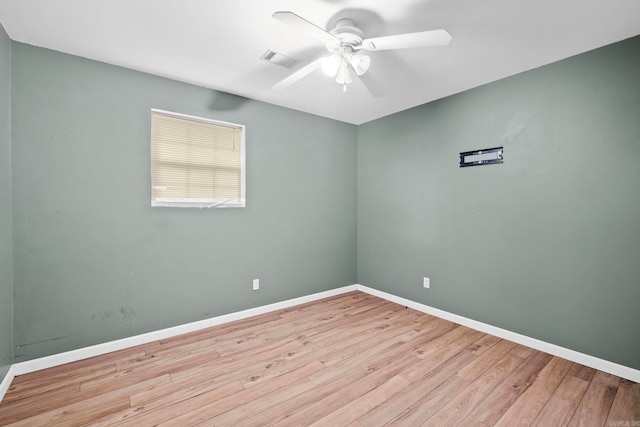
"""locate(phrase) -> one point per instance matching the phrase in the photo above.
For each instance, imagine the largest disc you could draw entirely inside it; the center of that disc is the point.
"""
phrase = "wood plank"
(81, 411)
(24, 408)
(174, 391)
(522, 351)
(325, 321)
(205, 342)
(263, 403)
(583, 372)
(164, 358)
(240, 328)
(560, 407)
(388, 343)
(362, 321)
(382, 352)
(319, 408)
(201, 408)
(342, 323)
(145, 371)
(360, 349)
(626, 405)
(474, 369)
(471, 421)
(76, 414)
(484, 344)
(424, 409)
(527, 407)
(290, 406)
(353, 360)
(80, 367)
(264, 371)
(168, 406)
(29, 407)
(423, 398)
(596, 402)
(427, 364)
(72, 383)
(556, 370)
(405, 343)
(463, 403)
(441, 342)
(387, 335)
(503, 396)
(465, 341)
(363, 404)
(225, 365)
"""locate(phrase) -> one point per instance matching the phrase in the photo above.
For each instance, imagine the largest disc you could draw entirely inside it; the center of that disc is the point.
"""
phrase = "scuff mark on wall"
(127, 312)
(21, 346)
(516, 125)
(18, 347)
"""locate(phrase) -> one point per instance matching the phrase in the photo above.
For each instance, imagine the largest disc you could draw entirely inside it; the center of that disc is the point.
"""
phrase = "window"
(196, 162)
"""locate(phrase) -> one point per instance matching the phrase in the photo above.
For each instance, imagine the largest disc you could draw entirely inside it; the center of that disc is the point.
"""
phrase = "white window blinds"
(196, 162)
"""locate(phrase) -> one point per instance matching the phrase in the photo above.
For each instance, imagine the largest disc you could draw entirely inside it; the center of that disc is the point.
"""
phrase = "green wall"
(6, 244)
(94, 262)
(546, 244)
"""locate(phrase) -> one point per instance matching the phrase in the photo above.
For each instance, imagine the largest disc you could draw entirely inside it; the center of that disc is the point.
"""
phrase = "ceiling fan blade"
(372, 84)
(403, 41)
(305, 26)
(298, 75)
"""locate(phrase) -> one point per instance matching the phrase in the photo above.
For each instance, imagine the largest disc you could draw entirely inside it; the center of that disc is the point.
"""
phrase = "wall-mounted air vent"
(279, 59)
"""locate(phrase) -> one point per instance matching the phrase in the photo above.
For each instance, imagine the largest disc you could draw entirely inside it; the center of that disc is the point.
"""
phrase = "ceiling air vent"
(279, 59)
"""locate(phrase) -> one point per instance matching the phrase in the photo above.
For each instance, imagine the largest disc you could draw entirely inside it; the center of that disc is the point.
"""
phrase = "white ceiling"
(218, 44)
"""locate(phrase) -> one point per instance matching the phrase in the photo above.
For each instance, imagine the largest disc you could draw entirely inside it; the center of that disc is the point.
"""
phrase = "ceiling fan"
(345, 43)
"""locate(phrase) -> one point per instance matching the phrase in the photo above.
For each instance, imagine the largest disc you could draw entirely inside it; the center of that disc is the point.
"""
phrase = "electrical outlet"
(425, 282)
(256, 284)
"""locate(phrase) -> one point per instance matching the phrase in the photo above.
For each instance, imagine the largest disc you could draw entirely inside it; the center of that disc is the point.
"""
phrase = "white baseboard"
(28, 366)
(565, 353)
(6, 382)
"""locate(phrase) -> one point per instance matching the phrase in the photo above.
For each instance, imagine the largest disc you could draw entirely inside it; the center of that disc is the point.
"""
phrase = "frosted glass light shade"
(344, 75)
(360, 63)
(330, 64)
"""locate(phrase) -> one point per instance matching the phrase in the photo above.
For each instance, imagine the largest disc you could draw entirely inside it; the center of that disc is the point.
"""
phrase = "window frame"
(195, 202)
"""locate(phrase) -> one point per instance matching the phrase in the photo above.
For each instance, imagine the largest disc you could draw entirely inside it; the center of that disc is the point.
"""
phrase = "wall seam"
(12, 249)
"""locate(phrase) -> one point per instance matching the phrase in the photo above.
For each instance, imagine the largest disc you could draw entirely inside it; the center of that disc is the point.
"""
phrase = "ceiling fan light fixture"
(360, 63)
(331, 64)
(343, 76)
(345, 42)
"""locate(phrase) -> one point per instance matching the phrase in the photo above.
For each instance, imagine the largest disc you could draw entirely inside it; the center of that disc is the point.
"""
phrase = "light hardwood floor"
(351, 360)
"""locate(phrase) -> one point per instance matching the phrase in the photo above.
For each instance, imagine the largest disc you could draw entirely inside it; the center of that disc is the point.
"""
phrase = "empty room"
(331, 213)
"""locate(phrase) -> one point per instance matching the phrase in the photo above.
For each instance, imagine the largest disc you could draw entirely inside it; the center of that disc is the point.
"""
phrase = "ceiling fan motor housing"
(349, 39)
(348, 34)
